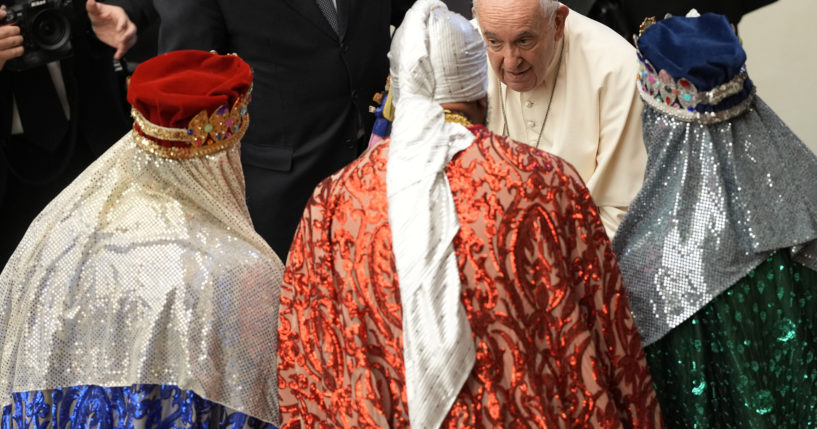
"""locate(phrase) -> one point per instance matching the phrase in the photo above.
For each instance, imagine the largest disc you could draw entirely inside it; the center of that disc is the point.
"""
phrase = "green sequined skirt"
(746, 360)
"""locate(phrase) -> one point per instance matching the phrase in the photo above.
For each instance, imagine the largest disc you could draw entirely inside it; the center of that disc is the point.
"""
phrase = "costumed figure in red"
(454, 278)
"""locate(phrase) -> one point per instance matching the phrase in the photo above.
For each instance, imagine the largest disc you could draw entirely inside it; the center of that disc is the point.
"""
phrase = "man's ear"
(559, 21)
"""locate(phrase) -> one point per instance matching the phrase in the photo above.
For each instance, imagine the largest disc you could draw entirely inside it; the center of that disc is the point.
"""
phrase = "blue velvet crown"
(694, 68)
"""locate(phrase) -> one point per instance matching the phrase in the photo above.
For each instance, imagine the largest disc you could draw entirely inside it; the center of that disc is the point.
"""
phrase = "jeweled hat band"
(205, 134)
(680, 98)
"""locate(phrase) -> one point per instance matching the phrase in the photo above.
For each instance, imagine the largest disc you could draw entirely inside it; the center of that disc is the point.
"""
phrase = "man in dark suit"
(65, 115)
(316, 65)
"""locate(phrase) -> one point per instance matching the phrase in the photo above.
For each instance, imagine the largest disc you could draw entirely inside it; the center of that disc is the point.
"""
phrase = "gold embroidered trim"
(645, 24)
(457, 118)
(205, 134)
(157, 131)
(145, 143)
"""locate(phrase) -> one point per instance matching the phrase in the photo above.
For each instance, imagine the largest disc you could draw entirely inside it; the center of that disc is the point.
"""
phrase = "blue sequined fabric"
(137, 406)
(716, 201)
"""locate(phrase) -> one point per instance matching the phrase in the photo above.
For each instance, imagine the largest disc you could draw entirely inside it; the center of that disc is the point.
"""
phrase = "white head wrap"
(436, 56)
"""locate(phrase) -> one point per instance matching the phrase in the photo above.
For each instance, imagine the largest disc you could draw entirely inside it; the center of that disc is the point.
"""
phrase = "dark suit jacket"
(96, 95)
(312, 88)
(38, 164)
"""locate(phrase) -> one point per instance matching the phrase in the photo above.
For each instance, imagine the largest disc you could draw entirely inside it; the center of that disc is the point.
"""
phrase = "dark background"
(625, 16)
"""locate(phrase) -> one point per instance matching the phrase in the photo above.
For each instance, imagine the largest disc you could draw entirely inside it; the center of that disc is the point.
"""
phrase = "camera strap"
(45, 148)
(41, 112)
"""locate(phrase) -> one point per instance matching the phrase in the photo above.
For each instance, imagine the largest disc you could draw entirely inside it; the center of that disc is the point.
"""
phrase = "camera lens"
(50, 30)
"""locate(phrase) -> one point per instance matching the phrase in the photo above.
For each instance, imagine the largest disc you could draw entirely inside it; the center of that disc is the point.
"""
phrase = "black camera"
(46, 29)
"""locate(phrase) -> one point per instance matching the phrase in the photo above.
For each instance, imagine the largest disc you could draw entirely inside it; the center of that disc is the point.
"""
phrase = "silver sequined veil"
(716, 201)
(145, 270)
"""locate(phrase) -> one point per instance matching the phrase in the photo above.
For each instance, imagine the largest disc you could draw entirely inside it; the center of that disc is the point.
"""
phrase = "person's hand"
(11, 42)
(112, 26)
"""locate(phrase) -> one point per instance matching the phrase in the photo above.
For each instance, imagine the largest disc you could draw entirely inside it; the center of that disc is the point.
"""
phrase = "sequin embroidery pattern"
(556, 343)
(131, 407)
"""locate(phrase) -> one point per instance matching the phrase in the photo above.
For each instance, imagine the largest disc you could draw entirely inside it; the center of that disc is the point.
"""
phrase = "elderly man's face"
(521, 40)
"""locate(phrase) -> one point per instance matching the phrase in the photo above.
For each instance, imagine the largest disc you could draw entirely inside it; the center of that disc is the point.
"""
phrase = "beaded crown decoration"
(207, 133)
(681, 99)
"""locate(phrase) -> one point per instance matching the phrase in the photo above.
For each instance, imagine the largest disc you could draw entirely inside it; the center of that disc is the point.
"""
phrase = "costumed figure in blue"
(141, 296)
(719, 248)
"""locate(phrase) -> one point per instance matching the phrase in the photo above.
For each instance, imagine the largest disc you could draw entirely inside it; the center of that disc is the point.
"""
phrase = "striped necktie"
(330, 12)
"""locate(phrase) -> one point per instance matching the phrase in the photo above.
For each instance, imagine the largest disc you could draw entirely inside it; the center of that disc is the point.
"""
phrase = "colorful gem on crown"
(204, 134)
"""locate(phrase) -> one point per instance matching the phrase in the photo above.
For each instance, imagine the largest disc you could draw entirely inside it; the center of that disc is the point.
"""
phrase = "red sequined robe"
(556, 343)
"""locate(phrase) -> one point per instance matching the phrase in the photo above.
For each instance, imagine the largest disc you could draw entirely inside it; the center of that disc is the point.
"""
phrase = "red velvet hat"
(190, 103)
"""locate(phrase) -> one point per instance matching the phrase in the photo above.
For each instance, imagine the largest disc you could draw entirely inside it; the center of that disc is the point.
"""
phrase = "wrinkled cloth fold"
(717, 200)
(145, 270)
(438, 346)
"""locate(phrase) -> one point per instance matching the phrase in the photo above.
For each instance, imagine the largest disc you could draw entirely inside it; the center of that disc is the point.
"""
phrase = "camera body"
(46, 27)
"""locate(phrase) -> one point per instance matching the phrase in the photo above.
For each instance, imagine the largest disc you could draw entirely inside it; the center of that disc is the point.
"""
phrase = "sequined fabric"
(716, 201)
(556, 344)
(131, 407)
(748, 358)
(145, 270)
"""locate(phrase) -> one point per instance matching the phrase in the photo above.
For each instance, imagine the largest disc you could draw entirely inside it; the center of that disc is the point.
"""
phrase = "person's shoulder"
(601, 52)
(591, 35)
(369, 167)
(522, 157)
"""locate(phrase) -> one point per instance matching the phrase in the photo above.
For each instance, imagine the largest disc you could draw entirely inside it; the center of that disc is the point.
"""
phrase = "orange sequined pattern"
(556, 343)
